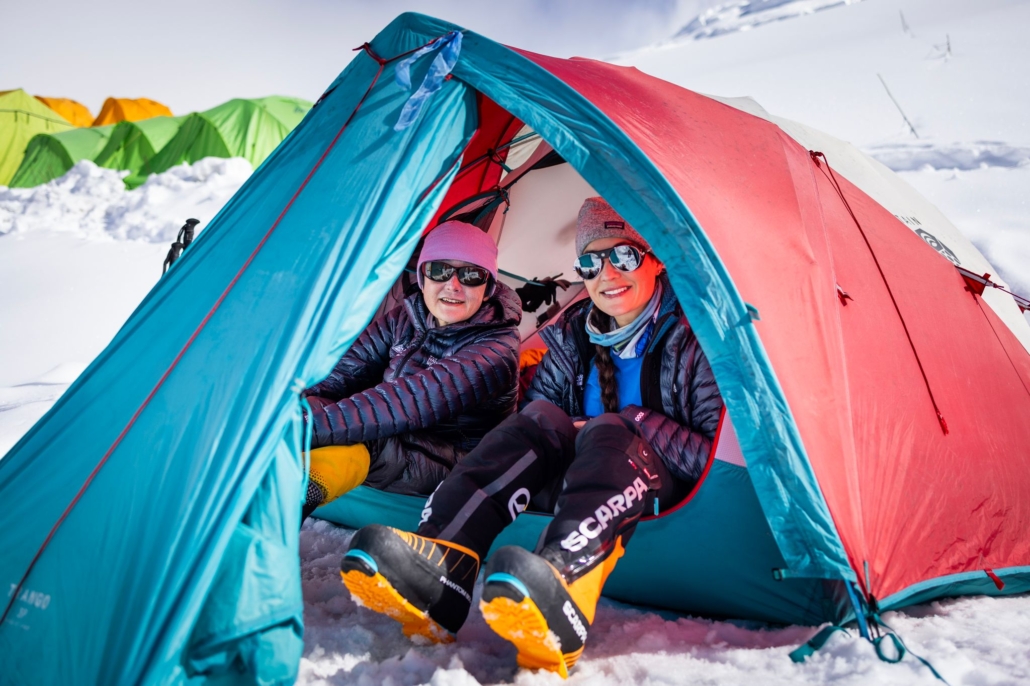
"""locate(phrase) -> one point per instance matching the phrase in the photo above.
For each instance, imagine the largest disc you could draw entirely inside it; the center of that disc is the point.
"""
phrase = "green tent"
(49, 155)
(133, 143)
(21, 117)
(238, 128)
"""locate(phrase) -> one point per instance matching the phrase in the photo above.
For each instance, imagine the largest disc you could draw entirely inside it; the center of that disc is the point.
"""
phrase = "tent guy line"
(815, 158)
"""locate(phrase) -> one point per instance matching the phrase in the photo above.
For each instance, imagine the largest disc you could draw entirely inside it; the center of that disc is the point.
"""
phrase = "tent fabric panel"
(75, 112)
(898, 197)
(115, 110)
(251, 129)
(967, 356)
(133, 144)
(21, 118)
(127, 148)
(196, 139)
(50, 156)
(479, 172)
(632, 183)
(287, 111)
(45, 159)
(173, 490)
(248, 130)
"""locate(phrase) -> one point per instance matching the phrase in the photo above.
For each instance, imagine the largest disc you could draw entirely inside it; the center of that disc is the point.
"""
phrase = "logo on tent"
(938, 246)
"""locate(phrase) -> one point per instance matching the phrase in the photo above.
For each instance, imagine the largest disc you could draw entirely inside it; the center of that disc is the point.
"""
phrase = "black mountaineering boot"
(423, 583)
(528, 602)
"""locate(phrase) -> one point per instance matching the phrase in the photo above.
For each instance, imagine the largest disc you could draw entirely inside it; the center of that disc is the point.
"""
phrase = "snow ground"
(975, 641)
(77, 255)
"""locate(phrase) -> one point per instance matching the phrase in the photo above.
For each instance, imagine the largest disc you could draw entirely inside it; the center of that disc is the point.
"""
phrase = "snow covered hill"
(959, 70)
(78, 254)
(744, 15)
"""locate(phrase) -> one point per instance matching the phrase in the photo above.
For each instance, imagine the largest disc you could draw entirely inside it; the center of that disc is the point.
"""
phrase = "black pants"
(598, 481)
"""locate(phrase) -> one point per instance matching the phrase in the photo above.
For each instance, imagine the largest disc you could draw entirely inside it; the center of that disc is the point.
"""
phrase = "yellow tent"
(72, 110)
(21, 118)
(124, 109)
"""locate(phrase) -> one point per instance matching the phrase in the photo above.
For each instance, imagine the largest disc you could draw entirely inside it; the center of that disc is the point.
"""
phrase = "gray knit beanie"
(598, 220)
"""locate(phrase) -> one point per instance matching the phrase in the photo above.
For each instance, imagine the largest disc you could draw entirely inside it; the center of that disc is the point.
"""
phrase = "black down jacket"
(418, 396)
(682, 404)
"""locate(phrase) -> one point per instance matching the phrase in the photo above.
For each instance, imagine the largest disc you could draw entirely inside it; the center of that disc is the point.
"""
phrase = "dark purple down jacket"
(682, 404)
(418, 396)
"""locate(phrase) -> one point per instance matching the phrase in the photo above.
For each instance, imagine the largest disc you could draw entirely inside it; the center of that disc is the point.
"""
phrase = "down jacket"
(682, 404)
(418, 395)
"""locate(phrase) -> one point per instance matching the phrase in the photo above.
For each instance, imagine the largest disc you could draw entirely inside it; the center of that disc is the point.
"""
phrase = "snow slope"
(960, 70)
(744, 15)
(78, 254)
(821, 69)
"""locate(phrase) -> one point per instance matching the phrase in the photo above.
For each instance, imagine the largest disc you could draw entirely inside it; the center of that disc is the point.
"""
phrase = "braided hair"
(604, 364)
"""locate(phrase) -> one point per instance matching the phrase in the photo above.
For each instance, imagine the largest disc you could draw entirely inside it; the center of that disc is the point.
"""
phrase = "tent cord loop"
(367, 47)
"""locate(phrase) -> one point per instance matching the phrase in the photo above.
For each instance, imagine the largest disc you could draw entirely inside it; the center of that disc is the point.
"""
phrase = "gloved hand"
(544, 291)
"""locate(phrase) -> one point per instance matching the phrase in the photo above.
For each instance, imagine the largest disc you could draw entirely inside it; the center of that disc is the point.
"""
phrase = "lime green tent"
(49, 155)
(238, 128)
(22, 117)
(133, 143)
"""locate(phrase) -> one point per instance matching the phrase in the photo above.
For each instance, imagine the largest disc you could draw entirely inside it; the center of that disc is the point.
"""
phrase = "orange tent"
(124, 109)
(72, 110)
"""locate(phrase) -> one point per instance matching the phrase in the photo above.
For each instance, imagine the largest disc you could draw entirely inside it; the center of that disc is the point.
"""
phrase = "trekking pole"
(183, 240)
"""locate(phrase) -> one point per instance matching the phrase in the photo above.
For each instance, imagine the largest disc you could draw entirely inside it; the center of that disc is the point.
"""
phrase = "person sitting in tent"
(425, 381)
(622, 414)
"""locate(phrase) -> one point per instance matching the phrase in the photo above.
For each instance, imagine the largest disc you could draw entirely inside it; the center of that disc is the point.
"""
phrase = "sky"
(194, 54)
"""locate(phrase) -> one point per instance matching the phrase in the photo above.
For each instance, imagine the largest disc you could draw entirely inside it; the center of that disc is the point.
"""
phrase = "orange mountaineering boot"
(528, 602)
(423, 583)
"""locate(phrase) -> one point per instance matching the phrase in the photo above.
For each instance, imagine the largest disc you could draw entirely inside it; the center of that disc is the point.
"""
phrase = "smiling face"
(622, 295)
(450, 301)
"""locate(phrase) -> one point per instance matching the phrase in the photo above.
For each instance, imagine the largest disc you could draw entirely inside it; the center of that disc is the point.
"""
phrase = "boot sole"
(524, 625)
(372, 590)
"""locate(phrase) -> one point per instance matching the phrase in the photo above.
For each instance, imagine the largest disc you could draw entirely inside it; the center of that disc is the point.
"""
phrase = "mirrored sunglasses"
(467, 276)
(625, 258)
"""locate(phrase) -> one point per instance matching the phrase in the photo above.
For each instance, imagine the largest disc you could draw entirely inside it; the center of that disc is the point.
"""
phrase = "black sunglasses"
(625, 258)
(467, 276)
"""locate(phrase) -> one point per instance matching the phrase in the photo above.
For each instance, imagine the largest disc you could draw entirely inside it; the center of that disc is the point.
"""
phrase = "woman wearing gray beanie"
(619, 423)
(425, 381)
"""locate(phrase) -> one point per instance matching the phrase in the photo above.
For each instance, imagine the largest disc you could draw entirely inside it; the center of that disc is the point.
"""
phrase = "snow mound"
(744, 15)
(924, 155)
(93, 202)
(62, 374)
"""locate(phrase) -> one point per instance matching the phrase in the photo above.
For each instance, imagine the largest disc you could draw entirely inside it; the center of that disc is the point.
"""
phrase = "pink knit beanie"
(456, 240)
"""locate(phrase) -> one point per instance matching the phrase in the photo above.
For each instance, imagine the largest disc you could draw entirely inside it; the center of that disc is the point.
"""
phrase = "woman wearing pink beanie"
(425, 381)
